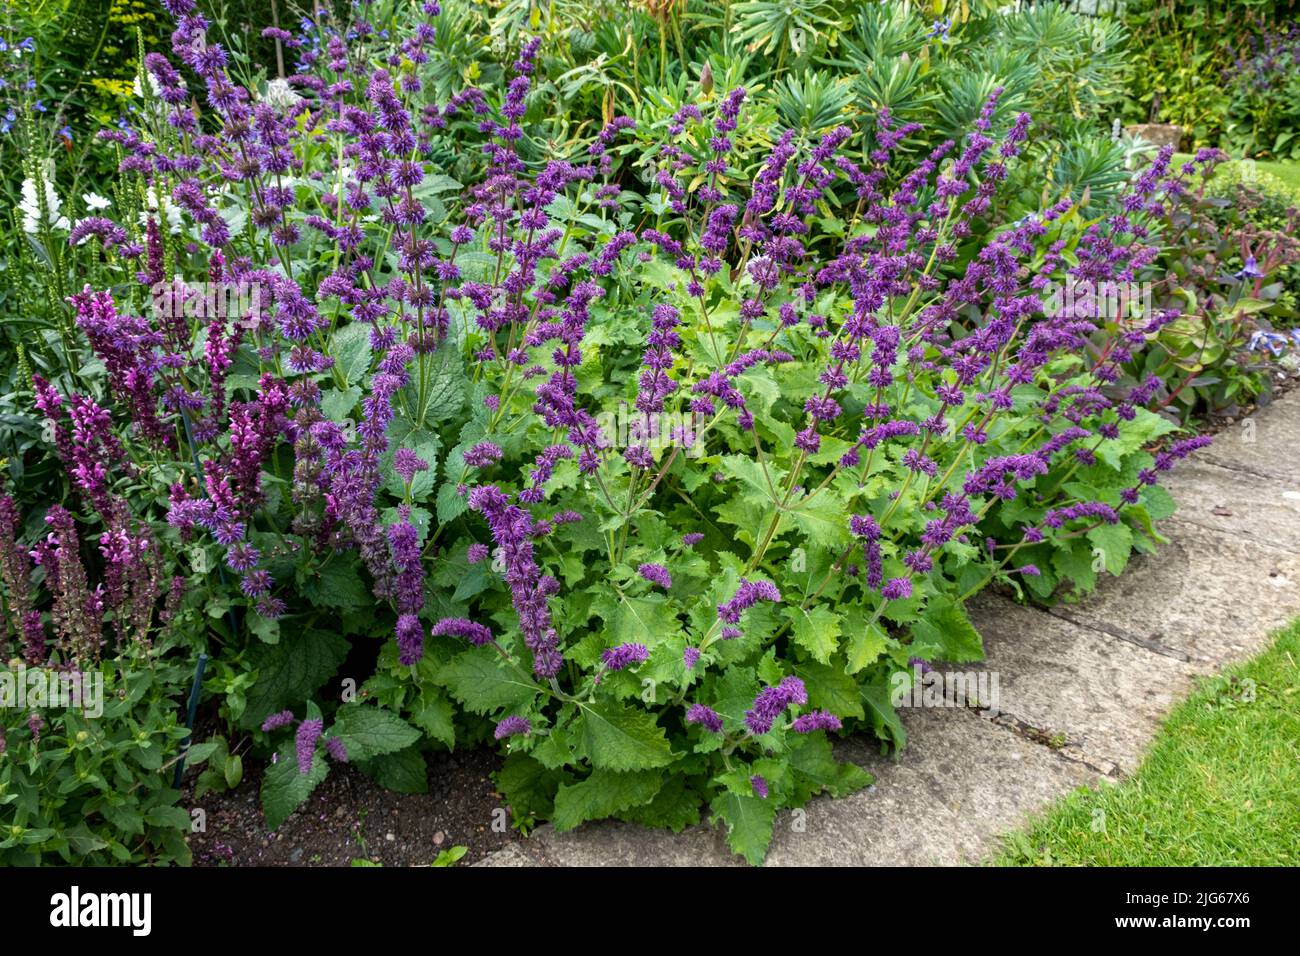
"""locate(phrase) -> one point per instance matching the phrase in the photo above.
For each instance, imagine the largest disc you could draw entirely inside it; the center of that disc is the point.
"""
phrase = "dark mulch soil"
(350, 817)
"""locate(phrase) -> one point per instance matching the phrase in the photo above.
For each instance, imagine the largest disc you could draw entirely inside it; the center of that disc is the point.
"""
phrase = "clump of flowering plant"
(1262, 84)
(656, 489)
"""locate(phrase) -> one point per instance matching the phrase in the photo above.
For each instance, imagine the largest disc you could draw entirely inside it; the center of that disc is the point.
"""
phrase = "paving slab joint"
(1057, 742)
(1146, 643)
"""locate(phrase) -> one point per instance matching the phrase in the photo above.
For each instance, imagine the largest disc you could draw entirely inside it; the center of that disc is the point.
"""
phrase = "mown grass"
(1220, 786)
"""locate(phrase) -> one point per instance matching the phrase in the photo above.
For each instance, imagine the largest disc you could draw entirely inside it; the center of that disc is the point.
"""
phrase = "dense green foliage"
(820, 237)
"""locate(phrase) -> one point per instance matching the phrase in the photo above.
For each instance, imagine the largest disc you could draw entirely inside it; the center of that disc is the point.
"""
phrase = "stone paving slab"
(1268, 443)
(1104, 696)
(1206, 597)
(1236, 502)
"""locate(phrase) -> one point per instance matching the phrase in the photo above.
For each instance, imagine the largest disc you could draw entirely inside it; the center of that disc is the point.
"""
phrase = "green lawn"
(1220, 786)
(1289, 173)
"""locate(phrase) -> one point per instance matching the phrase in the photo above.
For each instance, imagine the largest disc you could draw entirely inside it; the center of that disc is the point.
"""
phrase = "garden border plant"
(850, 410)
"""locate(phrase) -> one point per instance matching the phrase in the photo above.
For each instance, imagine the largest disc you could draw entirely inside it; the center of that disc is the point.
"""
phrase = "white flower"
(171, 210)
(30, 207)
(154, 86)
(280, 95)
(95, 202)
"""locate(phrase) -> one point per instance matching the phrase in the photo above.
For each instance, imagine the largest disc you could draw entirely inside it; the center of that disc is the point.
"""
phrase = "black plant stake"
(189, 720)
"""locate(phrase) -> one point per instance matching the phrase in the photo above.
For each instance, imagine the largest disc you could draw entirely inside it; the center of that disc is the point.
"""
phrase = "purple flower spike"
(656, 574)
(816, 720)
(691, 657)
(706, 717)
(617, 658)
(512, 726)
(771, 702)
(309, 732)
(410, 639)
(483, 454)
(747, 595)
(477, 634)
(406, 463)
(283, 719)
(337, 750)
(759, 785)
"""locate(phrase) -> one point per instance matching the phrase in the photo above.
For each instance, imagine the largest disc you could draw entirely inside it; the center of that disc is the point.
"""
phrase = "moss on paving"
(1220, 785)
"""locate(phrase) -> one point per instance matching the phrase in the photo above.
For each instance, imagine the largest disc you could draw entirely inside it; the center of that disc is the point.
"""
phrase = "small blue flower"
(940, 29)
(1250, 270)
(1275, 342)
(28, 44)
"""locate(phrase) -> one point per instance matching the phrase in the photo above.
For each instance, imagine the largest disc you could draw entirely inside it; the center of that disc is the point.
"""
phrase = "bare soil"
(349, 817)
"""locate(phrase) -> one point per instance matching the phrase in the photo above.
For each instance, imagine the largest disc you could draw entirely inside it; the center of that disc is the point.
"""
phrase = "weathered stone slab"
(1265, 443)
(510, 855)
(1095, 697)
(1207, 597)
(1236, 502)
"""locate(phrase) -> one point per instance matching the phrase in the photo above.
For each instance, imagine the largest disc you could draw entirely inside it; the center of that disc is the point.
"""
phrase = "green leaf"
(451, 504)
(529, 788)
(830, 688)
(433, 713)
(822, 522)
(885, 723)
(352, 351)
(816, 769)
(335, 404)
(284, 789)
(616, 737)
(450, 857)
(290, 672)
(443, 375)
(483, 683)
(402, 772)
(675, 807)
(201, 752)
(865, 644)
(234, 770)
(816, 630)
(267, 629)
(648, 620)
(1159, 502)
(751, 474)
(603, 794)
(336, 584)
(368, 731)
(749, 823)
(1115, 542)
(945, 633)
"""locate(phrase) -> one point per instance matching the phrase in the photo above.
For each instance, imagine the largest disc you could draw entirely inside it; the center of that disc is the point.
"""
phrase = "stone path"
(1083, 687)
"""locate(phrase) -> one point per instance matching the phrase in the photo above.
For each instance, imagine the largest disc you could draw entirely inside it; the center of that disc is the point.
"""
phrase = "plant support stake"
(189, 719)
